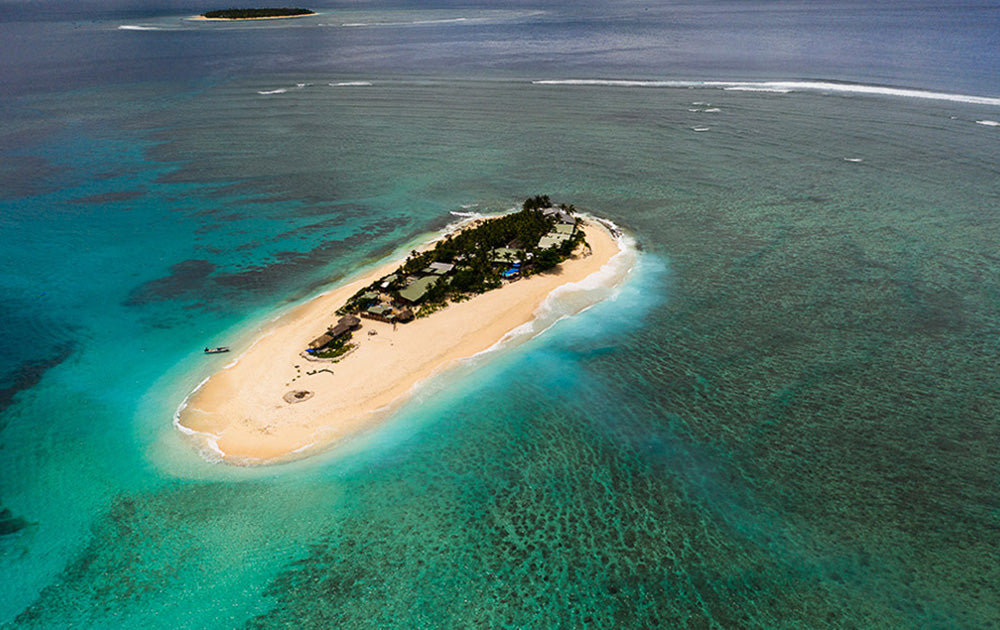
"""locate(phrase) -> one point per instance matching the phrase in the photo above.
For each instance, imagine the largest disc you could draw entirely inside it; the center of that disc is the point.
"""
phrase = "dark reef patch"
(10, 523)
(109, 197)
(26, 175)
(131, 556)
(539, 518)
(289, 265)
(201, 282)
(185, 278)
(29, 373)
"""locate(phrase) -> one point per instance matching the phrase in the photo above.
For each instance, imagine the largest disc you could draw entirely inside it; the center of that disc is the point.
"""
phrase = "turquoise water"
(785, 417)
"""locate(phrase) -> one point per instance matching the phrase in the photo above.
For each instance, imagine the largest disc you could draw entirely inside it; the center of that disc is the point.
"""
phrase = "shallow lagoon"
(786, 417)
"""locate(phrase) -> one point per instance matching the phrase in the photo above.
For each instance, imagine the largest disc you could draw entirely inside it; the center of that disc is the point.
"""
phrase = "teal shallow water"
(786, 419)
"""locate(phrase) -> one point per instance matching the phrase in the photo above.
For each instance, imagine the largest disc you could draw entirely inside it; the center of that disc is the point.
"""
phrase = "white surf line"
(783, 87)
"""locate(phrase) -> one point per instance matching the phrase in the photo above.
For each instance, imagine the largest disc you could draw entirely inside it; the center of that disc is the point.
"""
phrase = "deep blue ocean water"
(786, 416)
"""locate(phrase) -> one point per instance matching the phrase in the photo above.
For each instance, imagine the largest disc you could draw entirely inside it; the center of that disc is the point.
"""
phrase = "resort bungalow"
(380, 312)
(387, 313)
(368, 298)
(416, 290)
(561, 233)
(439, 269)
(562, 216)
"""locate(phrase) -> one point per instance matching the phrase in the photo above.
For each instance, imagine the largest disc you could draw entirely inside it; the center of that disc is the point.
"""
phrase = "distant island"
(256, 14)
(287, 396)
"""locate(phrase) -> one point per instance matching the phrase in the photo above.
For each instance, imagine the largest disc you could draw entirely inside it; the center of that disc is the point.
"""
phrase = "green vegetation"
(430, 307)
(336, 348)
(248, 14)
(478, 258)
(538, 202)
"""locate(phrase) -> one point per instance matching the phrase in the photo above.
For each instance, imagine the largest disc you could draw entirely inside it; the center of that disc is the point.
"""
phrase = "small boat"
(218, 350)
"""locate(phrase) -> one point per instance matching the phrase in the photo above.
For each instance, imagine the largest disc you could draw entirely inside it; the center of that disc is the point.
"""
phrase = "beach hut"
(321, 342)
(351, 321)
(405, 315)
(338, 331)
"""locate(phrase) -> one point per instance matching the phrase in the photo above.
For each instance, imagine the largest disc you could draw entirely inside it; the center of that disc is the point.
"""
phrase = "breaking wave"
(783, 87)
(575, 297)
(408, 23)
(207, 444)
(298, 86)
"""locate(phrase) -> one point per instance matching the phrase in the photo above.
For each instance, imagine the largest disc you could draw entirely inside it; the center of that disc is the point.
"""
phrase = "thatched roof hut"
(351, 321)
(405, 315)
(321, 341)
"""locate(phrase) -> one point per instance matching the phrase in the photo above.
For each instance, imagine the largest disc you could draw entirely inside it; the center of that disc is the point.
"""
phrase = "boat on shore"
(218, 350)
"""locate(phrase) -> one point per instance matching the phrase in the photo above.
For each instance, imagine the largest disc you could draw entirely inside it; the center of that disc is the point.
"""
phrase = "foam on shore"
(577, 297)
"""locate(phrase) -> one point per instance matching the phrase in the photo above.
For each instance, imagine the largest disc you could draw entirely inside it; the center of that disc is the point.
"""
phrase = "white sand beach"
(243, 408)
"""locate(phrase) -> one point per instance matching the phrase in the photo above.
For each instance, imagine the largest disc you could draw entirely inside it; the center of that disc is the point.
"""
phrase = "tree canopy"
(478, 267)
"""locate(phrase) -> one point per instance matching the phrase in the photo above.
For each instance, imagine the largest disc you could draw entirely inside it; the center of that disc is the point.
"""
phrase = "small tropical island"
(255, 14)
(473, 261)
(314, 378)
